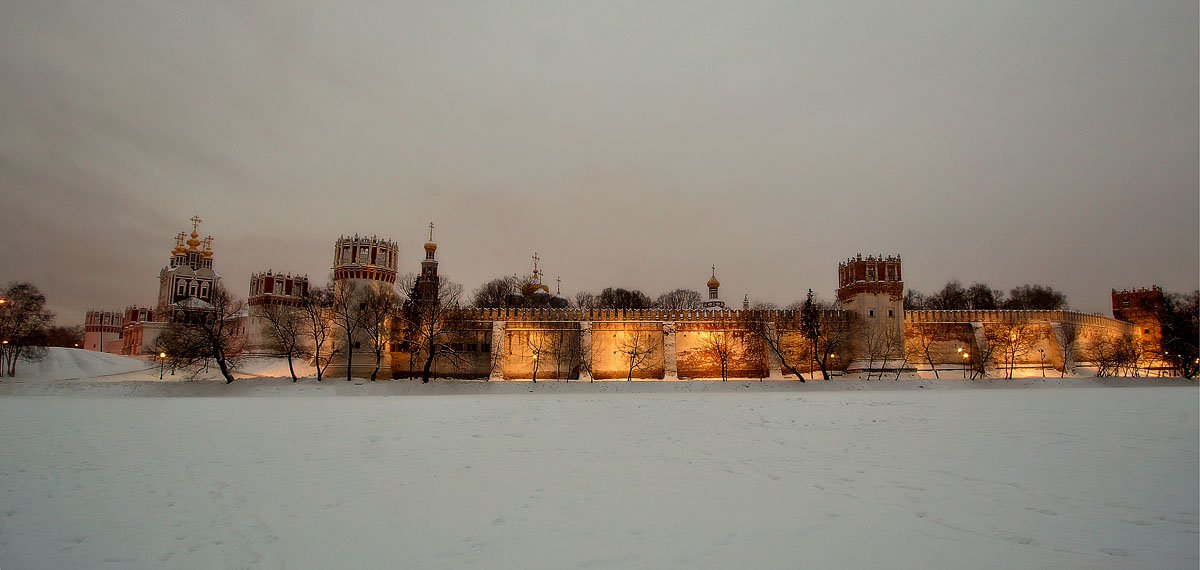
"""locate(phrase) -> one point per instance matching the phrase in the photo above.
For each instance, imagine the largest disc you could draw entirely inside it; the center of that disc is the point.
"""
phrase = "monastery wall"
(1027, 338)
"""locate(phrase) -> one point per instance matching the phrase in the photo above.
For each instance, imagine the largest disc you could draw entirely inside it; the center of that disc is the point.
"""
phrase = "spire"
(430, 247)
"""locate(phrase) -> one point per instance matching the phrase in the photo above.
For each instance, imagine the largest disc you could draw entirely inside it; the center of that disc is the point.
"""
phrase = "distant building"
(100, 329)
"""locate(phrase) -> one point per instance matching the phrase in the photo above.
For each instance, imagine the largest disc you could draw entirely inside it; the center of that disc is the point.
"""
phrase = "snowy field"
(98, 472)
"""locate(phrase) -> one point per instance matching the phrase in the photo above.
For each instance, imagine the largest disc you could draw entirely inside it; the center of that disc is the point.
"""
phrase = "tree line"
(980, 297)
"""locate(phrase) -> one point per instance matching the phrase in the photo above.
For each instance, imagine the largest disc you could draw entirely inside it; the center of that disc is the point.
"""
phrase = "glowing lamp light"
(162, 355)
(965, 355)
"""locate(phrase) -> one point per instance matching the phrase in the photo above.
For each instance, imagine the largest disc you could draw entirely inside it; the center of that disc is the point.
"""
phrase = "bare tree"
(1013, 340)
(379, 304)
(980, 297)
(637, 349)
(679, 300)
(23, 324)
(497, 292)
(717, 346)
(620, 298)
(922, 348)
(285, 332)
(210, 335)
(542, 346)
(567, 352)
(432, 325)
(1035, 298)
(771, 336)
(982, 349)
(1068, 339)
(585, 300)
(317, 326)
(1104, 352)
(348, 305)
(826, 329)
(65, 336)
(879, 342)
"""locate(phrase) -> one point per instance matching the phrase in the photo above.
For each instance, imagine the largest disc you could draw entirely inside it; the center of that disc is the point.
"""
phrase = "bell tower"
(427, 282)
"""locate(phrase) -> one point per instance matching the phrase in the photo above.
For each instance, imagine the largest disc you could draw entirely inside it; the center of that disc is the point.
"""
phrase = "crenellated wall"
(1026, 338)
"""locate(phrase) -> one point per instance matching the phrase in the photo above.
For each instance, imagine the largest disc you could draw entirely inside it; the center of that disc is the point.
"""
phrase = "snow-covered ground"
(670, 475)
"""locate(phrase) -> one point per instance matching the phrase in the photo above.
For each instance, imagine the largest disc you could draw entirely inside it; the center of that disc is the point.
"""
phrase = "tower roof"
(712, 282)
(429, 245)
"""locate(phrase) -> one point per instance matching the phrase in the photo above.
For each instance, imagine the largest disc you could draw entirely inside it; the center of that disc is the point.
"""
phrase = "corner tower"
(873, 289)
(369, 259)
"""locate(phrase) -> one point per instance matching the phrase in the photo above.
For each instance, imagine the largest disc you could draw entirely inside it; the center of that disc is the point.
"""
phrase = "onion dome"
(429, 245)
(179, 247)
(712, 282)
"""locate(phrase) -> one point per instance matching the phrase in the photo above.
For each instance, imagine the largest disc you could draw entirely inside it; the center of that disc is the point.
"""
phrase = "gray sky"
(631, 144)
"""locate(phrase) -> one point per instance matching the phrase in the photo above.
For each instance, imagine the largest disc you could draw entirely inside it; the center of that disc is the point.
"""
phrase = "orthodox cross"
(195, 223)
(714, 271)
(559, 279)
(430, 231)
(535, 264)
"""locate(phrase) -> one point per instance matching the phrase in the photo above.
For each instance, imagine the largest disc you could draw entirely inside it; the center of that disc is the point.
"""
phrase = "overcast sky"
(630, 144)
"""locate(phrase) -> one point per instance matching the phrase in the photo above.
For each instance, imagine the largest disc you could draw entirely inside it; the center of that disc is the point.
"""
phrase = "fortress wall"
(946, 331)
(554, 343)
(611, 342)
(699, 347)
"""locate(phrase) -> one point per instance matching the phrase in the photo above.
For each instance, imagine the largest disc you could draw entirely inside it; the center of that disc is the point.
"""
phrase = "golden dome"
(193, 242)
(712, 282)
(535, 288)
(179, 248)
(430, 246)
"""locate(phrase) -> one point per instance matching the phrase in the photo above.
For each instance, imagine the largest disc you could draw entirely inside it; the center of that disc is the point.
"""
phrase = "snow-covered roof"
(191, 303)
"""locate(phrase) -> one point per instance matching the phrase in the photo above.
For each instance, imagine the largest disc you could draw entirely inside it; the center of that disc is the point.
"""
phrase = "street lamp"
(1042, 351)
(966, 359)
(162, 359)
